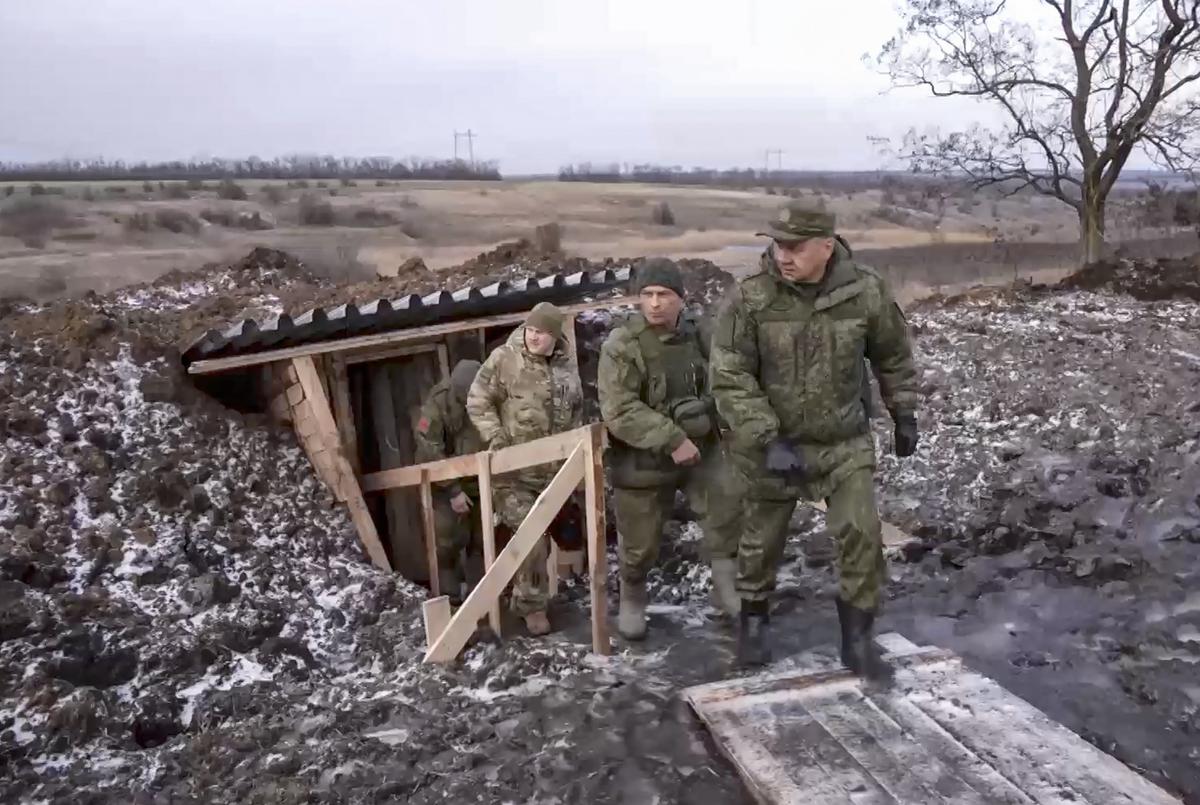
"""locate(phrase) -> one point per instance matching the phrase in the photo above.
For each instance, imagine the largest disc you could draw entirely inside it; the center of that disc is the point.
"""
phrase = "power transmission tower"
(469, 136)
(778, 154)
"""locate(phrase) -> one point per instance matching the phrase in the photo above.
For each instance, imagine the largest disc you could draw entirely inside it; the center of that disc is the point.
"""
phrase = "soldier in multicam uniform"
(443, 431)
(526, 389)
(787, 372)
(653, 388)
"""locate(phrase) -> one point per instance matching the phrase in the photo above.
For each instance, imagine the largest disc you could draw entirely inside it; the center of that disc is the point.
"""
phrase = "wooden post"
(444, 360)
(552, 567)
(482, 335)
(349, 490)
(343, 412)
(430, 529)
(487, 521)
(489, 588)
(569, 332)
(593, 479)
(436, 612)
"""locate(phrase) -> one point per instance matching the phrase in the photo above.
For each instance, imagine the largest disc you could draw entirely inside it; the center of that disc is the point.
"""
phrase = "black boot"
(752, 649)
(859, 653)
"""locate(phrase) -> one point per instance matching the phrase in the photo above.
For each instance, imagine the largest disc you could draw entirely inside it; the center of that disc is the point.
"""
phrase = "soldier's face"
(539, 342)
(803, 260)
(660, 306)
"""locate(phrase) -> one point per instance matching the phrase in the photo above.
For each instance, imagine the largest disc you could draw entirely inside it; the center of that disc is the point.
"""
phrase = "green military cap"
(798, 221)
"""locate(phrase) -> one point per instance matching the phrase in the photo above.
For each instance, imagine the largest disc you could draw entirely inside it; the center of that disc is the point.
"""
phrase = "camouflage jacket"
(445, 431)
(634, 400)
(518, 397)
(787, 360)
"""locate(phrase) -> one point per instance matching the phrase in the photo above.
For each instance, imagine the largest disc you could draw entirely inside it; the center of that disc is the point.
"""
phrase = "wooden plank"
(397, 337)
(444, 360)
(383, 353)
(546, 450)
(295, 394)
(487, 521)
(569, 332)
(359, 514)
(436, 613)
(429, 529)
(343, 412)
(883, 750)
(481, 334)
(1044, 758)
(489, 588)
(597, 546)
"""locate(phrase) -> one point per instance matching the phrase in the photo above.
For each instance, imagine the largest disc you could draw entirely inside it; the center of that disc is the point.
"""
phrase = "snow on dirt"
(186, 614)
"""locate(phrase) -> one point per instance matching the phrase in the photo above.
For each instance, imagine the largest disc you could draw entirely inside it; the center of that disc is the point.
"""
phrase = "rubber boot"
(450, 585)
(631, 619)
(753, 647)
(859, 652)
(724, 586)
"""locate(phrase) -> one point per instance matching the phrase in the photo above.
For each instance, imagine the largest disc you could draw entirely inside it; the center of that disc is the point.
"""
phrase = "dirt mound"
(1144, 280)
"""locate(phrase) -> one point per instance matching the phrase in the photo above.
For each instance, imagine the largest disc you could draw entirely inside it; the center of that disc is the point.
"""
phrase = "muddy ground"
(185, 615)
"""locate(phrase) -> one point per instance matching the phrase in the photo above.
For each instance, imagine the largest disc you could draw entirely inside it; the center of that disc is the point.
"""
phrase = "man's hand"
(460, 503)
(906, 434)
(686, 454)
(498, 442)
(784, 459)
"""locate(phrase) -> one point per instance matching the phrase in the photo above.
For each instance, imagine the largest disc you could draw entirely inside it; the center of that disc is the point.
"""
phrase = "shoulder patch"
(423, 424)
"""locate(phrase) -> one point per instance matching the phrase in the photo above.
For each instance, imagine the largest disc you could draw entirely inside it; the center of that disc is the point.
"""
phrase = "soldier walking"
(653, 388)
(787, 373)
(443, 431)
(526, 389)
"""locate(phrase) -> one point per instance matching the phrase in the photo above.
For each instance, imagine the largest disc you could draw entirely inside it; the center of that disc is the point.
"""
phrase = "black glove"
(906, 434)
(784, 459)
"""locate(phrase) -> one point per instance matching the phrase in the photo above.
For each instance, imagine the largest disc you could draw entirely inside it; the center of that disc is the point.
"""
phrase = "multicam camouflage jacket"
(518, 396)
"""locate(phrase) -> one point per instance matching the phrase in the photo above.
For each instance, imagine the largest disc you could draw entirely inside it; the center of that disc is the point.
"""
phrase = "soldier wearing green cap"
(787, 372)
(443, 431)
(653, 387)
(527, 388)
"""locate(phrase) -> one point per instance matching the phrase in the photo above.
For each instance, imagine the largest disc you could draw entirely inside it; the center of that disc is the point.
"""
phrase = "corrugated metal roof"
(384, 315)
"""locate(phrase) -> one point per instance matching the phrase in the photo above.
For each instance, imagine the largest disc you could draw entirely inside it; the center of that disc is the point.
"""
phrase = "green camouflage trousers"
(853, 522)
(531, 585)
(713, 492)
(455, 533)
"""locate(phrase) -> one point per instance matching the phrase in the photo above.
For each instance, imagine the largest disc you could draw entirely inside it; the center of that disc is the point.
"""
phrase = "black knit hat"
(657, 271)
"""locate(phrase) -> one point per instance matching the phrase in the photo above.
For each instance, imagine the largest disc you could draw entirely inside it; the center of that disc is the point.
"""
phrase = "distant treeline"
(290, 167)
(733, 177)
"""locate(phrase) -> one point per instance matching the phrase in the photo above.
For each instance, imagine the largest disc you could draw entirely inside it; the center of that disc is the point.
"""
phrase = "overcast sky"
(542, 82)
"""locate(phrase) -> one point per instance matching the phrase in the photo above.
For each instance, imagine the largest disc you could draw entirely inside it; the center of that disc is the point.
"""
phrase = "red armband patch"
(423, 424)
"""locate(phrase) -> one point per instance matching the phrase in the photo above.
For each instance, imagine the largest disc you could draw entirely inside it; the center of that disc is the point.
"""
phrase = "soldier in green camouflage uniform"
(527, 388)
(653, 388)
(443, 431)
(787, 374)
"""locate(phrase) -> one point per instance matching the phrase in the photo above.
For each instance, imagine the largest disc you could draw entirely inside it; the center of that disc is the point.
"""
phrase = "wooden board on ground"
(814, 734)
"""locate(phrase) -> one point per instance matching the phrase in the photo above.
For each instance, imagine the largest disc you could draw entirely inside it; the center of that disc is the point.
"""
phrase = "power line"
(469, 136)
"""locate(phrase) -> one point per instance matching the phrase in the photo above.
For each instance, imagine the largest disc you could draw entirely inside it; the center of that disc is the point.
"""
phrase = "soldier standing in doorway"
(787, 374)
(526, 389)
(653, 388)
(443, 431)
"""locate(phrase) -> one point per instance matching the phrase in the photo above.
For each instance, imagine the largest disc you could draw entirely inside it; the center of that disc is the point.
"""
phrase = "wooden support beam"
(384, 353)
(518, 457)
(444, 360)
(343, 412)
(489, 588)
(597, 547)
(409, 336)
(436, 613)
(569, 332)
(430, 530)
(552, 568)
(348, 488)
(481, 334)
(487, 521)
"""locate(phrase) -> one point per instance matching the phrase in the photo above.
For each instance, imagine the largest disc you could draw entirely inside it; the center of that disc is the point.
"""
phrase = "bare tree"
(1080, 86)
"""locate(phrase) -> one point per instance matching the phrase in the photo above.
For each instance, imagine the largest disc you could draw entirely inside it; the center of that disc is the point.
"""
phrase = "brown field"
(115, 236)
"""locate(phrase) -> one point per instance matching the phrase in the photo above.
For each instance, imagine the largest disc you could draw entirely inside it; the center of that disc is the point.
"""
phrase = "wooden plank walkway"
(812, 734)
